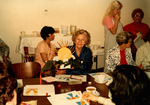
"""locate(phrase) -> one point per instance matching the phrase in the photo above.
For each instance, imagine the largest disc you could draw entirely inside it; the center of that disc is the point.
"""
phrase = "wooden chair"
(25, 70)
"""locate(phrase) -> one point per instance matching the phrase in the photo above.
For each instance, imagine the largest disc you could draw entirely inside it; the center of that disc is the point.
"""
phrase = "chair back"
(25, 70)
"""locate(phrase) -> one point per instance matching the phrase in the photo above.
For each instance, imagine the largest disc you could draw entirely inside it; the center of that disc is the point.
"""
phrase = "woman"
(4, 53)
(130, 86)
(45, 50)
(143, 54)
(81, 39)
(8, 95)
(112, 26)
(137, 27)
(121, 54)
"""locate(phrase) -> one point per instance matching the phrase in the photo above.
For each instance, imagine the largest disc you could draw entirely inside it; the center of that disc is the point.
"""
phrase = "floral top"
(113, 58)
(4, 51)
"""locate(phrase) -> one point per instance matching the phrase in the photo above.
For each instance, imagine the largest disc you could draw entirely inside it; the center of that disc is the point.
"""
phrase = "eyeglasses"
(137, 16)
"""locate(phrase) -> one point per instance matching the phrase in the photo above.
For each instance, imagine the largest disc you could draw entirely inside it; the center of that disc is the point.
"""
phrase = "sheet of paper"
(49, 79)
(19, 83)
(39, 90)
(138, 41)
(67, 78)
(70, 98)
(108, 78)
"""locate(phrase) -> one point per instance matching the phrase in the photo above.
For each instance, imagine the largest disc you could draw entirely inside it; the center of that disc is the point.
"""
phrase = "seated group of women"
(45, 50)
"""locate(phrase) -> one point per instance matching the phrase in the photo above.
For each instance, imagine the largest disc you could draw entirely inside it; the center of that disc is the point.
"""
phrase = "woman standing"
(45, 50)
(112, 26)
(137, 27)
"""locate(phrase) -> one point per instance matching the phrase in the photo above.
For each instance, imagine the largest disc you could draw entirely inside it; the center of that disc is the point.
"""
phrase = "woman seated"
(8, 95)
(4, 53)
(143, 54)
(45, 50)
(137, 27)
(130, 86)
(81, 39)
(120, 55)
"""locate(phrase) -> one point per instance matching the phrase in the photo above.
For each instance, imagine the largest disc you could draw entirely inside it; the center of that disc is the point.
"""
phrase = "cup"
(64, 29)
(73, 29)
(101, 78)
(26, 50)
(91, 89)
(34, 33)
(22, 33)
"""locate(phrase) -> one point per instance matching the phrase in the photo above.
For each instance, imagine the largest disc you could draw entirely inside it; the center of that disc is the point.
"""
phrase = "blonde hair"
(84, 32)
(109, 12)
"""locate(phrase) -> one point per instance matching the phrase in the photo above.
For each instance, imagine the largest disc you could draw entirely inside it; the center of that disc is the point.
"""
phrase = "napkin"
(33, 102)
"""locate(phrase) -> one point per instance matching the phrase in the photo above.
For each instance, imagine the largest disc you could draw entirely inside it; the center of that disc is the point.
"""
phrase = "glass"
(137, 16)
(26, 50)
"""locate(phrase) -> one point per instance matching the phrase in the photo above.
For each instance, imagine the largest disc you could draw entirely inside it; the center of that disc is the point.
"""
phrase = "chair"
(25, 70)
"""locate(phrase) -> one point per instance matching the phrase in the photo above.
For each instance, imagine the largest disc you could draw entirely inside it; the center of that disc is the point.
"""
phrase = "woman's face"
(137, 17)
(51, 37)
(129, 43)
(117, 10)
(80, 41)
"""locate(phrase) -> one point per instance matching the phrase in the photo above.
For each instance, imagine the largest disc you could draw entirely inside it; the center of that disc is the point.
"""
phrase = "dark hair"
(7, 86)
(45, 31)
(137, 10)
(3, 69)
(130, 86)
(123, 37)
(147, 36)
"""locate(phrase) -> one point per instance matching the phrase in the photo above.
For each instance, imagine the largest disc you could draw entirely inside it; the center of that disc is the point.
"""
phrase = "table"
(31, 42)
(42, 100)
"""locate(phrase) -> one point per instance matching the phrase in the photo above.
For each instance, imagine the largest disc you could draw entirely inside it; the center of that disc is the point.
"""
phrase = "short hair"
(130, 86)
(45, 31)
(84, 32)
(123, 37)
(7, 85)
(137, 10)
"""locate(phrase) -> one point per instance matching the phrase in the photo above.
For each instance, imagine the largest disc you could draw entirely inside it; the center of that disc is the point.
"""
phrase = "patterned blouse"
(4, 51)
(113, 58)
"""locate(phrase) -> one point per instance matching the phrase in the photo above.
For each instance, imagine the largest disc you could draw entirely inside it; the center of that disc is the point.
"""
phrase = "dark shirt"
(86, 58)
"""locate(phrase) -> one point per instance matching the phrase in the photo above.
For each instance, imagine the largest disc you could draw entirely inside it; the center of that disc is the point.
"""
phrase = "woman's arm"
(113, 30)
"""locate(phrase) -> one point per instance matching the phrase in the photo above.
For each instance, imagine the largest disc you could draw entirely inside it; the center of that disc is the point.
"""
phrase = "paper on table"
(67, 78)
(138, 41)
(49, 79)
(108, 78)
(70, 98)
(39, 90)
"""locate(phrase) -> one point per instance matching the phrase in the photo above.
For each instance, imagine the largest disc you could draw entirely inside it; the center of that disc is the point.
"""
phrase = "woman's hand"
(90, 97)
(58, 72)
(117, 17)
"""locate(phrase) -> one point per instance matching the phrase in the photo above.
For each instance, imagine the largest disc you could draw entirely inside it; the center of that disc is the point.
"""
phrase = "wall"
(29, 16)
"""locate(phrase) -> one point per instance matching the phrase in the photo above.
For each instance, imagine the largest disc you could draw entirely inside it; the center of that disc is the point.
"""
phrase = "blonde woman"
(112, 26)
(81, 40)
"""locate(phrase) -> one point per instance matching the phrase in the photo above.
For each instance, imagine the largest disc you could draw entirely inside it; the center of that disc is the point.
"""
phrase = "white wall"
(29, 16)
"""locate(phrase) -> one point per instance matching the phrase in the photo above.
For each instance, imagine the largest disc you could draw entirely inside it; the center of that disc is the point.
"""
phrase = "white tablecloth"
(32, 41)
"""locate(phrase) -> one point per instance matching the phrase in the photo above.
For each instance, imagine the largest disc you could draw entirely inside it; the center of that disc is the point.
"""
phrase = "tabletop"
(65, 87)
(32, 41)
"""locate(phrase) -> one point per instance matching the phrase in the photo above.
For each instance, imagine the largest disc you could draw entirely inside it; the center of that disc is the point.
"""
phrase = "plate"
(95, 93)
